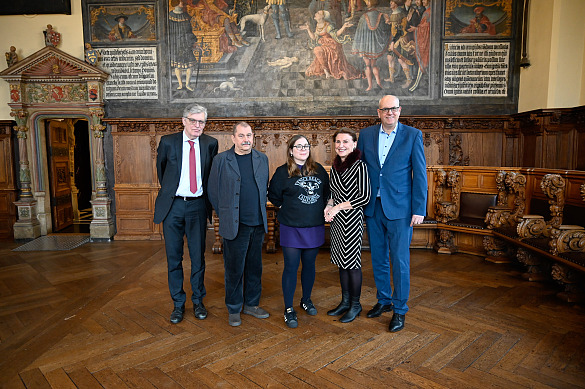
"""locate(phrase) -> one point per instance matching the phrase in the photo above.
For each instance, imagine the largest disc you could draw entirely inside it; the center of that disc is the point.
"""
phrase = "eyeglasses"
(302, 147)
(387, 110)
(195, 121)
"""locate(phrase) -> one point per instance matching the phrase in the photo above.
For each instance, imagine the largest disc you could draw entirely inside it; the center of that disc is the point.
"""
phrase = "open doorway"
(70, 180)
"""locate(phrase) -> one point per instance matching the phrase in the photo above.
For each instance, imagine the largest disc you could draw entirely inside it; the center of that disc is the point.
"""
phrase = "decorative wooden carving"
(217, 244)
(497, 250)
(553, 185)
(571, 281)
(516, 184)
(444, 243)
(536, 267)
(570, 239)
(583, 192)
(530, 226)
(502, 189)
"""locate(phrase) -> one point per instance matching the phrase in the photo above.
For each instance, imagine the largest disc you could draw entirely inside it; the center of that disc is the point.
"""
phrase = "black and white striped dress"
(347, 227)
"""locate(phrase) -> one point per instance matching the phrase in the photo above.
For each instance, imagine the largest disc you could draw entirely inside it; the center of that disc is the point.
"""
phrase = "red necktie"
(192, 168)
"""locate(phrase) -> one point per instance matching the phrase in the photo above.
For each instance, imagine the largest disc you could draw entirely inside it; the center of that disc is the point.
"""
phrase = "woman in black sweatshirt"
(300, 188)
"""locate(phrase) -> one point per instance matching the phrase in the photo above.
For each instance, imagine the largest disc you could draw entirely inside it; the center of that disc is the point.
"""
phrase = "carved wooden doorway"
(59, 174)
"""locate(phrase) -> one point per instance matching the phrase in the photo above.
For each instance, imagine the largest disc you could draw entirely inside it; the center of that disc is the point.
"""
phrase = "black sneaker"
(309, 307)
(290, 318)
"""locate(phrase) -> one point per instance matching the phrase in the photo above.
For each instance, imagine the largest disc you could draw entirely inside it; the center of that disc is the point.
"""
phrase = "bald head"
(389, 112)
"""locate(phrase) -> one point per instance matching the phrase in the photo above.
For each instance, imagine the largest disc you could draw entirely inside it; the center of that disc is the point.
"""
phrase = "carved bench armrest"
(498, 216)
(445, 211)
(570, 239)
(530, 226)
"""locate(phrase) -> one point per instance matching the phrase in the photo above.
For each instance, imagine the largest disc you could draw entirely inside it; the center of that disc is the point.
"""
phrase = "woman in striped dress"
(350, 192)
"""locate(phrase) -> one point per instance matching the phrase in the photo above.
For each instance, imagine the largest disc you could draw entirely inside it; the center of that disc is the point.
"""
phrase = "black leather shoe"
(200, 311)
(397, 322)
(379, 309)
(177, 315)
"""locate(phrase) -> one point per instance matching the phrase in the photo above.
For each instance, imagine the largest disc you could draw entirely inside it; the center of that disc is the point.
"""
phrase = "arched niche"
(53, 84)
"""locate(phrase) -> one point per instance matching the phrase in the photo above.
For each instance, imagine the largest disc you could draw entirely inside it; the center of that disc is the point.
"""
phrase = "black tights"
(351, 281)
(292, 258)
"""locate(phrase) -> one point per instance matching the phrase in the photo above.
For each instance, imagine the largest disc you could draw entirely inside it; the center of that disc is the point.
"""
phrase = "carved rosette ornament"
(583, 192)
(571, 281)
(536, 267)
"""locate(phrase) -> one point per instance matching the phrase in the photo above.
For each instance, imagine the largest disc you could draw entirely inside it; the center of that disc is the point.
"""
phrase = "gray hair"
(243, 124)
(194, 109)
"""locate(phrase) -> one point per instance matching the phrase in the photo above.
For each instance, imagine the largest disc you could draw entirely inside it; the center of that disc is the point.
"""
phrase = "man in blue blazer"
(237, 190)
(394, 156)
(183, 164)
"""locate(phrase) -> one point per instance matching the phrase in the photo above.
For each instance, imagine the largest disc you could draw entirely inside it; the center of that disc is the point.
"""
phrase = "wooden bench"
(551, 243)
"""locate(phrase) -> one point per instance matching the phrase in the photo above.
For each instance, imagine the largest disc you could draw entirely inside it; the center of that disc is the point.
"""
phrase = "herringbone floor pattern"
(97, 316)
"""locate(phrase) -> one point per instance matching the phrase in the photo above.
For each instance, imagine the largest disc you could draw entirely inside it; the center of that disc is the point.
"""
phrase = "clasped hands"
(330, 212)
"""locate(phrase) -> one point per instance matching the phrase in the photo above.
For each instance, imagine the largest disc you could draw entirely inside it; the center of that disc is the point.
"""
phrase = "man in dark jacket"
(240, 204)
(183, 163)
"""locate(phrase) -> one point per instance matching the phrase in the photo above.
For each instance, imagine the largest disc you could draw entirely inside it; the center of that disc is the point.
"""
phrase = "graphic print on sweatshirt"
(310, 184)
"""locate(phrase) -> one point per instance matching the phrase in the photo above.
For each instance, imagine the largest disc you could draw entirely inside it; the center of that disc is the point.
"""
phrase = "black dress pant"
(186, 218)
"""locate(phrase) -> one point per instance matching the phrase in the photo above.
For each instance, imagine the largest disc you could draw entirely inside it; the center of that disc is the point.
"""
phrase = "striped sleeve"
(363, 187)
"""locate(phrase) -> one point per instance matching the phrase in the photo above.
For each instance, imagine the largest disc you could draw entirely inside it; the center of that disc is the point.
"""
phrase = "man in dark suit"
(394, 156)
(240, 203)
(183, 164)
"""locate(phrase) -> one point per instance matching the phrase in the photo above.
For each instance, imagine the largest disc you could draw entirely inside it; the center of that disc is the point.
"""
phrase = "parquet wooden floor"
(97, 316)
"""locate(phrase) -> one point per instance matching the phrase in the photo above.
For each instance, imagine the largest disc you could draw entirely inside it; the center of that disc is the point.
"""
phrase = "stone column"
(27, 227)
(102, 224)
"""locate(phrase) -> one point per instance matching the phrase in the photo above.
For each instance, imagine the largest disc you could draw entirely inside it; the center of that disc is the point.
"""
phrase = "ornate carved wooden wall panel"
(489, 141)
(7, 181)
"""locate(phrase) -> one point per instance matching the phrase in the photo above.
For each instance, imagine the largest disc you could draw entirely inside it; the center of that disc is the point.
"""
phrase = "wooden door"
(60, 177)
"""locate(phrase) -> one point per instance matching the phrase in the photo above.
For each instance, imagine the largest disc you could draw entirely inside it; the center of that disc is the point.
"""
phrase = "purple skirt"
(302, 237)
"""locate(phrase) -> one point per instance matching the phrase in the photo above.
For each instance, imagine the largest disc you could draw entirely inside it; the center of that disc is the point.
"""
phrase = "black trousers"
(242, 261)
(186, 218)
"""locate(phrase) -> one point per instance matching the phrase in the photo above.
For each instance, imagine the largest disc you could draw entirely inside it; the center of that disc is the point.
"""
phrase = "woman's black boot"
(354, 310)
(342, 307)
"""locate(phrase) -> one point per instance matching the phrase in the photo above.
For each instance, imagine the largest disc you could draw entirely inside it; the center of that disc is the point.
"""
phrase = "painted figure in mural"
(121, 30)
(371, 40)
(334, 7)
(280, 9)
(422, 40)
(11, 56)
(91, 55)
(400, 48)
(182, 43)
(480, 24)
(213, 14)
(52, 37)
(329, 59)
(353, 5)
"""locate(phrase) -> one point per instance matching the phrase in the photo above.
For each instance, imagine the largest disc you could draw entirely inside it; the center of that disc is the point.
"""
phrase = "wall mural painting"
(305, 57)
(478, 18)
(298, 52)
(116, 24)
